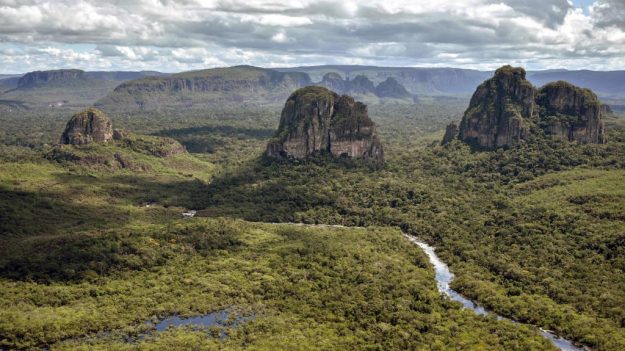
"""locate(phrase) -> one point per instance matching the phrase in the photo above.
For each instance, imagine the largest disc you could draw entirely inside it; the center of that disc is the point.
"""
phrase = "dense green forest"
(534, 232)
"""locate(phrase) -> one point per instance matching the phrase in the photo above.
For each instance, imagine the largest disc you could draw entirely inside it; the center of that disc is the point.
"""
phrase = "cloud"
(172, 35)
(549, 13)
(277, 20)
(609, 13)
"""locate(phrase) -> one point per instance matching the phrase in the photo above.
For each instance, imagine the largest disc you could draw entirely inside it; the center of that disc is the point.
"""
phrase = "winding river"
(444, 278)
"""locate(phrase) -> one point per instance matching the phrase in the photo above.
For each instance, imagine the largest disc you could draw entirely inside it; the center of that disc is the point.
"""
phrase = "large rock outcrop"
(507, 108)
(88, 126)
(316, 120)
(570, 113)
(500, 110)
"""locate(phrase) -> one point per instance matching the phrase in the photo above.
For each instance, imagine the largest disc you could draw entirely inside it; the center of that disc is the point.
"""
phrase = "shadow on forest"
(277, 191)
(44, 213)
(207, 139)
(58, 236)
(40, 236)
(138, 190)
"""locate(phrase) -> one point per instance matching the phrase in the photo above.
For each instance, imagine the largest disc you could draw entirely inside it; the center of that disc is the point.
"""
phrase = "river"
(444, 278)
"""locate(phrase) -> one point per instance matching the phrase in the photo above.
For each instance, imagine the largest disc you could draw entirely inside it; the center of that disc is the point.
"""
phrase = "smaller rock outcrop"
(88, 126)
(316, 120)
(334, 82)
(392, 89)
(362, 85)
(359, 85)
(451, 133)
(570, 113)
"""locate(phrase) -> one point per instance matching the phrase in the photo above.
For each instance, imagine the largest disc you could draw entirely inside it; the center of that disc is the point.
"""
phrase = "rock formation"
(91, 125)
(507, 108)
(570, 113)
(451, 133)
(361, 85)
(334, 82)
(317, 120)
(500, 110)
(391, 88)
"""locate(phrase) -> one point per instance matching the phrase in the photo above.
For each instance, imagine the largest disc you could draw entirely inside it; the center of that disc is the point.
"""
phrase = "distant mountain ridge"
(73, 76)
(604, 83)
(8, 82)
(252, 85)
(124, 75)
(7, 76)
(459, 81)
(63, 87)
(238, 84)
(150, 90)
(55, 77)
(426, 81)
(362, 85)
(197, 89)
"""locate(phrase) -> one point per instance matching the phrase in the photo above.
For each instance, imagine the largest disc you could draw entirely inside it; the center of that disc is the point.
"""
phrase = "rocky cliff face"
(317, 120)
(40, 78)
(570, 113)
(506, 108)
(88, 126)
(500, 110)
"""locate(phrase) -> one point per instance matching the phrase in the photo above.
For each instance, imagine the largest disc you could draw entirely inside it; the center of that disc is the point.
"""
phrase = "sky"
(179, 35)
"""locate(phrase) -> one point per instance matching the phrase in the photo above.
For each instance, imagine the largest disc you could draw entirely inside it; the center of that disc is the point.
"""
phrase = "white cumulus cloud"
(191, 34)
